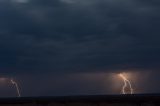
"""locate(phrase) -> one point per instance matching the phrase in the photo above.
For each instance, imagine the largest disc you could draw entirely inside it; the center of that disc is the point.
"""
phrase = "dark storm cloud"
(79, 35)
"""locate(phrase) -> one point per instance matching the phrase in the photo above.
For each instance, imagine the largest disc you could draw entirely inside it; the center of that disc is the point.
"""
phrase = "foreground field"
(94, 100)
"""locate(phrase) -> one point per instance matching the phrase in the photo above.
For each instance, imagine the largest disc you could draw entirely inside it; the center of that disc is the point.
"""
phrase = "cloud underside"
(79, 35)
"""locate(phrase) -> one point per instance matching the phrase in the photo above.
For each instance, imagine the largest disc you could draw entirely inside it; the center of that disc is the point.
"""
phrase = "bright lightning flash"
(12, 82)
(126, 82)
(17, 87)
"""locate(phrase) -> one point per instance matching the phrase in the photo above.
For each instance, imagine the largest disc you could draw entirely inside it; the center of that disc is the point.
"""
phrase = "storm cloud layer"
(79, 35)
(73, 44)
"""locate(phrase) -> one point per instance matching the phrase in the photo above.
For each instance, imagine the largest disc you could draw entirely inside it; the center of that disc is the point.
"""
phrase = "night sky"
(77, 47)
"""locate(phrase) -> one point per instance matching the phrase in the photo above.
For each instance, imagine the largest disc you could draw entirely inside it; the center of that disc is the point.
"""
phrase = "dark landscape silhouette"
(88, 100)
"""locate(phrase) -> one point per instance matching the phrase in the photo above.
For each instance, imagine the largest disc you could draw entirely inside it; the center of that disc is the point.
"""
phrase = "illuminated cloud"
(20, 1)
(68, 1)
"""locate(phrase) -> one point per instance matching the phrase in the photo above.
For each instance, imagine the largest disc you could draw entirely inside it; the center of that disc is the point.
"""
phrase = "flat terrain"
(91, 100)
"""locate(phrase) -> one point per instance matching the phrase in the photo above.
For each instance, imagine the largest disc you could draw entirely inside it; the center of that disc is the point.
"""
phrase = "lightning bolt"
(126, 81)
(17, 87)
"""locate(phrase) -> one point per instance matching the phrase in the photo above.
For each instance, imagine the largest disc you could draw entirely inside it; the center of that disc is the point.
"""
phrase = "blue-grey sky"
(76, 46)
